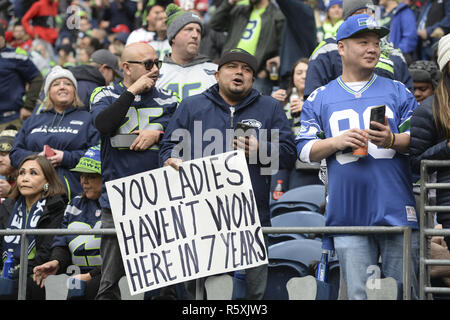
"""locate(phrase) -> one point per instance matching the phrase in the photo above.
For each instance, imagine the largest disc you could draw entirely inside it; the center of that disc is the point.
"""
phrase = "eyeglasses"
(148, 64)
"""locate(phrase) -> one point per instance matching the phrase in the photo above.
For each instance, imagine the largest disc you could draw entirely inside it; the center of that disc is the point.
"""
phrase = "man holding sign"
(204, 125)
(131, 117)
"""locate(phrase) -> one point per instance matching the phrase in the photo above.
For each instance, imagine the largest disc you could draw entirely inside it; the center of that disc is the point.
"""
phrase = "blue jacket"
(71, 132)
(214, 113)
(325, 65)
(401, 22)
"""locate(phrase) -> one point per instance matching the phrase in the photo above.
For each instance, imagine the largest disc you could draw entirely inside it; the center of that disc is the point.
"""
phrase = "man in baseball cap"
(239, 55)
(101, 70)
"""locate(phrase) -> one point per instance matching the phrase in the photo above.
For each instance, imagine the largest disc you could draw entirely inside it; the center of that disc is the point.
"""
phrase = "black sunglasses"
(148, 64)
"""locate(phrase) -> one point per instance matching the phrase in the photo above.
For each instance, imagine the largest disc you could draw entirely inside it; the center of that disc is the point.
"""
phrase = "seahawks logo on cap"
(5, 146)
(369, 22)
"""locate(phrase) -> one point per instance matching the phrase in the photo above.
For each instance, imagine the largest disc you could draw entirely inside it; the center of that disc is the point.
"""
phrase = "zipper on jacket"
(232, 117)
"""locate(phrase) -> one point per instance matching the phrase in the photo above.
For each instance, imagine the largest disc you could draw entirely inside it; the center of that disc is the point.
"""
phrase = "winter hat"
(425, 71)
(90, 162)
(444, 51)
(58, 72)
(349, 7)
(357, 24)
(240, 55)
(177, 19)
(332, 3)
(7, 138)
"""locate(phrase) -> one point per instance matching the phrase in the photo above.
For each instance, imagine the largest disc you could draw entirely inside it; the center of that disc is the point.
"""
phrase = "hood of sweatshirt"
(88, 73)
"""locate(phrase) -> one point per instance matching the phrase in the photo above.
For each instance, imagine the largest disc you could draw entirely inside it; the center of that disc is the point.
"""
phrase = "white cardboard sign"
(173, 226)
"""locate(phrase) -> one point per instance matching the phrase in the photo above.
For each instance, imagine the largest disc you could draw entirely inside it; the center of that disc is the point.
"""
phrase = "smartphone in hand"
(243, 129)
(48, 151)
(377, 114)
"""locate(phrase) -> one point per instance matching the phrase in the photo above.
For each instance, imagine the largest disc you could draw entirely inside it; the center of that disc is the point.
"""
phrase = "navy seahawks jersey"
(363, 191)
(150, 111)
(82, 213)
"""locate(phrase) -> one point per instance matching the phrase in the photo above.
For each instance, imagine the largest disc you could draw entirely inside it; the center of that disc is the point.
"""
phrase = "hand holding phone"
(377, 114)
(243, 129)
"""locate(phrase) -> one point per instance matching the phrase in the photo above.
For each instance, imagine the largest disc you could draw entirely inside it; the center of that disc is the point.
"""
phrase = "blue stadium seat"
(305, 198)
(295, 219)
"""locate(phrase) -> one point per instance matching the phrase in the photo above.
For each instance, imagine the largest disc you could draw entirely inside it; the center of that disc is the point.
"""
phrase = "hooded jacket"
(262, 112)
(88, 78)
(71, 131)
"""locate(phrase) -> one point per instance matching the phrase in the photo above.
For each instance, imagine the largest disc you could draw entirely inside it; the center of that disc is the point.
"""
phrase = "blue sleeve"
(27, 69)
(310, 122)
(408, 105)
(323, 68)
(72, 157)
(19, 150)
(401, 71)
(409, 38)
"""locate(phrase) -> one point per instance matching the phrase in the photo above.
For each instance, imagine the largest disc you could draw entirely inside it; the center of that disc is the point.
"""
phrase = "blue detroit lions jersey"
(372, 190)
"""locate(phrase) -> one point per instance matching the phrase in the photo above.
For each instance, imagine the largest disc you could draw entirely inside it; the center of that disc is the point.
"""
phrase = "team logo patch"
(209, 72)
(253, 123)
(77, 122)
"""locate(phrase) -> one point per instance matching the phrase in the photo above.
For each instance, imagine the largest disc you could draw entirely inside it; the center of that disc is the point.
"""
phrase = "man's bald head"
(137, 50)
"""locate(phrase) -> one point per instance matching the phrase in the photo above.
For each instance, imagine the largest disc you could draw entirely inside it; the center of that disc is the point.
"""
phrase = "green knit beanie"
(177, 18)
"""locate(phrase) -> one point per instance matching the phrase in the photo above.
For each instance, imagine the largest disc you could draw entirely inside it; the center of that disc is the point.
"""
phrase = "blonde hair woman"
(60, 130)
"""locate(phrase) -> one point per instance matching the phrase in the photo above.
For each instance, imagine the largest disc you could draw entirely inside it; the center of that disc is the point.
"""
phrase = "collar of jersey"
(349, 90)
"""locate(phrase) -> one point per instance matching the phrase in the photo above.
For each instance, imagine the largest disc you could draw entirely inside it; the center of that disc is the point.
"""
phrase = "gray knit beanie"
(58, 72)
(177, 19)
(349, 7)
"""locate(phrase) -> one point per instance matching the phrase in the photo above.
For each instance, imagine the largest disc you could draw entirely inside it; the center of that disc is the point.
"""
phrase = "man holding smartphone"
(133, 107)
(220, 109)
(374, 190)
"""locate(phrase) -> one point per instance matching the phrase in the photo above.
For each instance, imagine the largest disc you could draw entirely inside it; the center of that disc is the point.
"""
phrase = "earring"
(45, 187)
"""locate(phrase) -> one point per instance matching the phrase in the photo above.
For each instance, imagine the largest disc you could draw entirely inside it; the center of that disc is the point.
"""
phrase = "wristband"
(392, 141)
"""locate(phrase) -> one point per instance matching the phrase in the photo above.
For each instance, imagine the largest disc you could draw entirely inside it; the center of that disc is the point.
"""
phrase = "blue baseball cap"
(357, 24)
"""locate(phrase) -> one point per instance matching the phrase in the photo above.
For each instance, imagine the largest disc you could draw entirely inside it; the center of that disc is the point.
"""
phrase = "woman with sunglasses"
(60, 131)
(83, 251)
(40, 201)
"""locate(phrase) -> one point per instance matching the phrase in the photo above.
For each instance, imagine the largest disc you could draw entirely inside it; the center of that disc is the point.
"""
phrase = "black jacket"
(51, 218)
(428, 144)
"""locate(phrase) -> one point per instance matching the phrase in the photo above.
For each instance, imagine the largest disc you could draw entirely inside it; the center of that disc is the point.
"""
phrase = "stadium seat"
(305, 198)
(279, 273)
(295, 219)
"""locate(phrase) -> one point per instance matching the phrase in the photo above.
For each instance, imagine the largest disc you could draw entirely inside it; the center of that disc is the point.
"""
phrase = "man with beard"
(220, 108)
(120, 109)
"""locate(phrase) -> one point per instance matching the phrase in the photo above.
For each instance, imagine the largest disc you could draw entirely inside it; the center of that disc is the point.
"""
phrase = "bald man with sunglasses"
(131, 117)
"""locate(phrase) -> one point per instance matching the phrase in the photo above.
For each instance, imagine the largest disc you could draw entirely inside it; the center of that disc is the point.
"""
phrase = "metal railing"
(426, 230)
(406, 231)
